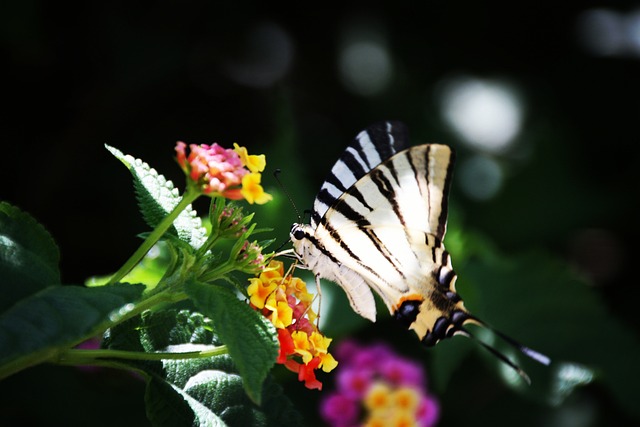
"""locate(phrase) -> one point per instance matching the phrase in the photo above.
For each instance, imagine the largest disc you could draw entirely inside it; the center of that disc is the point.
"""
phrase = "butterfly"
(378, 224)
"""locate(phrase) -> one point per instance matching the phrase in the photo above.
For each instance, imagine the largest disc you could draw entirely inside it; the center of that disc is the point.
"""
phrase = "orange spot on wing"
(410, 297)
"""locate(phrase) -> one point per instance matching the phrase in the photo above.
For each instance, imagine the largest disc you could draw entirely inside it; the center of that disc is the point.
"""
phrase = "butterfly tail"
(497, 354)
(537, 356)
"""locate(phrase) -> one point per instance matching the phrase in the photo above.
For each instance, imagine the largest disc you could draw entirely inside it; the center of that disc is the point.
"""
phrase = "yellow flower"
(258, 291)
(280, 298)
(391, 407)
(254, 163)
(252, 191)
(282, 314)
(327, 362)
(299, 289)
(406, 398)
(320, 342)
(378, 397)
(301, 344)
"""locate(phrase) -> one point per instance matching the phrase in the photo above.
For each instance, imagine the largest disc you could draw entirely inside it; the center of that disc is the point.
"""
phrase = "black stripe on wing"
(365, 227)
(444, 212)
(371, 147)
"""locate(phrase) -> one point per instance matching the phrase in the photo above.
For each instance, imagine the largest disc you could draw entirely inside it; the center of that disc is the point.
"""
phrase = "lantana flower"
(377, 387)
(218, 171)
(250, 258)
(285, 301)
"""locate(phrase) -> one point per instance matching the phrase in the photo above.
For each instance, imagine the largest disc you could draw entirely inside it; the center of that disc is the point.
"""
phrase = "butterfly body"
(378, 224)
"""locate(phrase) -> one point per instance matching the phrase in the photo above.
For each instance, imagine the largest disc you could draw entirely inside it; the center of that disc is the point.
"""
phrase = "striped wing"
(372, 146)
(392, 236)
(378, 224)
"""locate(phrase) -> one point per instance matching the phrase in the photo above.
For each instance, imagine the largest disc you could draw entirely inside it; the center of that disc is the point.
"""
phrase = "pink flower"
(225, 172)
(428, 411)
(401, 371)
(376, 386)
(339, 410)
(354, 381)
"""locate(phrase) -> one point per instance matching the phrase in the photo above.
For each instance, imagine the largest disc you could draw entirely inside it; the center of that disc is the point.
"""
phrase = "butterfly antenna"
(276, 174)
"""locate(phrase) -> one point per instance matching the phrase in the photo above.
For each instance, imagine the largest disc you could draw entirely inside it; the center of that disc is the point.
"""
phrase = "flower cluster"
(376, 387)
(218, 171)
(250, 258)
(285, 301)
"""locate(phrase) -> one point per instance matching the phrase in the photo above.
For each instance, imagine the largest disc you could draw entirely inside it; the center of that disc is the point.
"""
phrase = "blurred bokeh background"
(541, 102)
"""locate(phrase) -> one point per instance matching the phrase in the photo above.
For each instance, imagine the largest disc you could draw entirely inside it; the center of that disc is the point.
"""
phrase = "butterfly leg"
(319, 295)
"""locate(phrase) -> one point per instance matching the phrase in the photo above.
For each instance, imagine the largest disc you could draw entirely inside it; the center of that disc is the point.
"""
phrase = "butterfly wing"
(394, 235)
(370, 147)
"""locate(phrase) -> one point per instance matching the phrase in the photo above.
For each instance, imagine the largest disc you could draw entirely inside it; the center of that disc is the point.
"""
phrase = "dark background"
(142, 75)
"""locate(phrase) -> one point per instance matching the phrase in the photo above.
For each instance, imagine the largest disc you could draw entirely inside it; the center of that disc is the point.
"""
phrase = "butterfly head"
(301, 236)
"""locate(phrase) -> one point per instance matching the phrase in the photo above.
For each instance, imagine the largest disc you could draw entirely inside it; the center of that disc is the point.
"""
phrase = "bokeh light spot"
(485, 114)
(365, 67)
(605, 32)
(481, 177)
(267, 57)
(601, 32)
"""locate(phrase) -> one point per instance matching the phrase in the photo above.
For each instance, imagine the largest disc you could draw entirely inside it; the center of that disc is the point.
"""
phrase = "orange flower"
(285, 301)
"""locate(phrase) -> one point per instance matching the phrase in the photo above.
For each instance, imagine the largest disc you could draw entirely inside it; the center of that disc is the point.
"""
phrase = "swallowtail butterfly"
(378, 223)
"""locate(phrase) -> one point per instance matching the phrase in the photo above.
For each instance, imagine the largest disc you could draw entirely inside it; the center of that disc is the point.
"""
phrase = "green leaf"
(556, 312)
(169, 406)
(250, 337)
(157, 197)
(196, 391)
(28, 256)
(541, 303)
(38, 328)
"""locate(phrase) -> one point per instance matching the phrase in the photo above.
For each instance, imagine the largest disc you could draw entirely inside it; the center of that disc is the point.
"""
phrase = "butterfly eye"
(298, 234)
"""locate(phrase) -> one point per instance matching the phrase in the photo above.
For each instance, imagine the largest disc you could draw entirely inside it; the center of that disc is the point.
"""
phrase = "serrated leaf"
(201, 391)
(157, 197)
(28, 256)
(169, 406)
(250, 337)
(37, 328)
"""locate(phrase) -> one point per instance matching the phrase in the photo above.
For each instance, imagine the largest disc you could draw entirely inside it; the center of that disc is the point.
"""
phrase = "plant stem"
(94, 357)
(218, 272)
(165, 296)
(189, 196)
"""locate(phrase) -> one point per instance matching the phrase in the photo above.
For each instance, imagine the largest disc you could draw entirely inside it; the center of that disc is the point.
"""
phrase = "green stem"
(165, 296)
(189, 196)
(217, 273)
(94, 357)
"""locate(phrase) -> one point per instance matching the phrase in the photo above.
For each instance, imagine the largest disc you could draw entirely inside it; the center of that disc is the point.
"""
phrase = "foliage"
(205, 365)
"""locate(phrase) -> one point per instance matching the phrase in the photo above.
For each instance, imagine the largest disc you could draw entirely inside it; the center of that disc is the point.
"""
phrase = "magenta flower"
(354, 381)
(340, 411)
(376, 386)
(400, 371)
